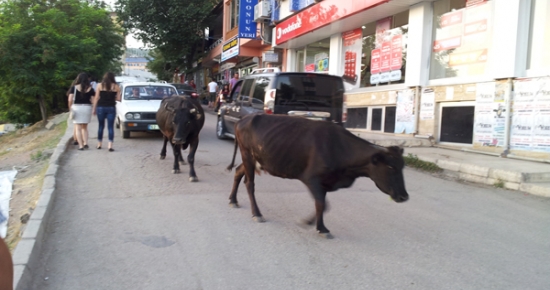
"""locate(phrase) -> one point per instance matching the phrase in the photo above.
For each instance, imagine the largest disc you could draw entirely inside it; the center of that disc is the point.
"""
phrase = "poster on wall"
(404, 112)
(522, 115)
(387, 55)
(489, 120)
(427, 104)
(353, 43)
(321, 62)
(541, 116)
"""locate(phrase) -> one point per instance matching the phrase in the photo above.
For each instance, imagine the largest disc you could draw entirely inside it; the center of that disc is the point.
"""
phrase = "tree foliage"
(174, 27)
(44, 45)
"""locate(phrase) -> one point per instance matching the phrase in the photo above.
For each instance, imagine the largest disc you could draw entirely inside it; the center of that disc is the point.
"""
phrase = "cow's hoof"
(234, 205)
(175, 171)
(327, 236)
(258, 219)
(193, 179)
(162, 157)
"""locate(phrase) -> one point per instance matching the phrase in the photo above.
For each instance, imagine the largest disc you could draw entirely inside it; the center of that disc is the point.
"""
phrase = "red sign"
(385, 55)
(446, 44)
(351, 36)
(475, 27)
(375, 61)
(451, 18)
(319, 15)
(396, 52)
(310, 67)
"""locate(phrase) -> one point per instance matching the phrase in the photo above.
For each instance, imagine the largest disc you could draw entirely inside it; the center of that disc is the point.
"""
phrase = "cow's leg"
(249, 165)
(191, 159)
(313, 217)
(177, 152)
(163, 151)
(239, 173)
(319, 194)
(182, 161)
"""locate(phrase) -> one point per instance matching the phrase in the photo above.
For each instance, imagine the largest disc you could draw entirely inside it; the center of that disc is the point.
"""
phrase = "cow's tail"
(230, 167)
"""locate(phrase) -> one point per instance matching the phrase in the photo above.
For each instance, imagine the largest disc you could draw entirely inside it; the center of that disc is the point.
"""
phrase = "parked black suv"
(312, 95)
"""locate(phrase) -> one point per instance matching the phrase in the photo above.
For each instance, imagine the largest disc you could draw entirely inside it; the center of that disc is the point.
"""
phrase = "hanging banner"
(387, 55)
(404, 112)
(353, 46)
(247, 26)
(489, 117)
(521, 131)
(541, 116)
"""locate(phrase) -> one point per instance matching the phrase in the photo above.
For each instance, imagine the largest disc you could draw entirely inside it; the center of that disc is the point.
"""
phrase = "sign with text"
(353, 45)
(247, 26)
(230, 49)
(319, 15)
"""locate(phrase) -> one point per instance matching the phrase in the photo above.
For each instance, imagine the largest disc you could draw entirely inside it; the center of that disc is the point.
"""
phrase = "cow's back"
(286, 146)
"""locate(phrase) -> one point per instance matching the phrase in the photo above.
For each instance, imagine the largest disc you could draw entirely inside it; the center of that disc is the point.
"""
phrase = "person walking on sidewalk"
(80, 102)
(106, 96)
(234, 80)
(212, 89)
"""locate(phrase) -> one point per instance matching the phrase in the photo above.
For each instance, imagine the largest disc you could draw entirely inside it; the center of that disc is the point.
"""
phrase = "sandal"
(98, 147)
(111, 149)
(81, 149)
(86, 146)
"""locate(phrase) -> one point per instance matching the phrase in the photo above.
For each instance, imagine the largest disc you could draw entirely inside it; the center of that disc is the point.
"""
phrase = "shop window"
(538, 57)
(389, 120)
(457, 124)
(376, 119)
(314, 57)
(384, 51)
(357, 118)
(462, 36)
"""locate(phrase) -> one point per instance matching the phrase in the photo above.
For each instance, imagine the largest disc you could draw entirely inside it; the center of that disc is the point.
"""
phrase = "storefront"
(458, 71)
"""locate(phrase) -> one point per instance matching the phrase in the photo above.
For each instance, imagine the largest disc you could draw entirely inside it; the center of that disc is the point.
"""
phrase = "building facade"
(467, 74)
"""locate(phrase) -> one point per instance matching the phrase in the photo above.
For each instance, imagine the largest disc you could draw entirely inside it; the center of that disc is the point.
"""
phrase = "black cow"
(323, 155)
(180, 120)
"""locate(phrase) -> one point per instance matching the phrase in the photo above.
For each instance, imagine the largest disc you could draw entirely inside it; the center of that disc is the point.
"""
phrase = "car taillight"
(194, 95)
(269, 106)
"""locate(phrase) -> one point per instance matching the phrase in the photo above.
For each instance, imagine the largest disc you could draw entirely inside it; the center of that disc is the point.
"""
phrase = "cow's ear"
(396, 149)
(376, 158)
(169, 108)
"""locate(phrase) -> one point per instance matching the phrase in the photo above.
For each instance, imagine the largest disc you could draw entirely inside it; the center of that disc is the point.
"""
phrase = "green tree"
(157, 65)
(44, 45)
(174, 27)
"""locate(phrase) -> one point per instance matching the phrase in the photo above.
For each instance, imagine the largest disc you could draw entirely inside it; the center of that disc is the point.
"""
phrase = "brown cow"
(180, 120)
(321, 154)
(6, 267)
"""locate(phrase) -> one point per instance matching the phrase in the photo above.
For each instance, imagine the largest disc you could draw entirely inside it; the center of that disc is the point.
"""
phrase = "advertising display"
(427, 104)
(387, 55)
(321, 62)
(352, 44)
(230, 49)
(490, 116)
(530, 128)
(247, 26)
(461, 41)
(404, 112)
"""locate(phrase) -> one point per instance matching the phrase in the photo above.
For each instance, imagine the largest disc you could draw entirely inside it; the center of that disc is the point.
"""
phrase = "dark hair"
(108, 81)
(83, 81)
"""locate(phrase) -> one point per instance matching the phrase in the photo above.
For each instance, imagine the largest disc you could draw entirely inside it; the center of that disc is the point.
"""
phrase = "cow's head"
(386, 170)
(184, 120)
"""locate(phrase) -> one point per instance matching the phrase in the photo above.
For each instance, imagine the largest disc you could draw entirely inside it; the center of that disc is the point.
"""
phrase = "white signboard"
(427, 104)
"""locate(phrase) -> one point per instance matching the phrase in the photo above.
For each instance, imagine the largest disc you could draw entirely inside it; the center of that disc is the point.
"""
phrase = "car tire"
(125, 134)
(220, 128)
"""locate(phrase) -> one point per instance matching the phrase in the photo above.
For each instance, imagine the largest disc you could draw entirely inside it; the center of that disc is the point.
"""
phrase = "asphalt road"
(122, 220)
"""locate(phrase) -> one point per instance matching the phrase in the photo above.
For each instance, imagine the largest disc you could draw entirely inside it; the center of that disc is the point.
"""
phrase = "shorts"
(212, 97)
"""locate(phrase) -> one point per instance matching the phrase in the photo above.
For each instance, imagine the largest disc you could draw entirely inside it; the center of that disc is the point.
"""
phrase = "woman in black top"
(80, 102)
(108, 92)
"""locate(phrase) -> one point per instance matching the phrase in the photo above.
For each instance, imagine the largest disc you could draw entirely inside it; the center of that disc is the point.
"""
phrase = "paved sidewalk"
(527, 176)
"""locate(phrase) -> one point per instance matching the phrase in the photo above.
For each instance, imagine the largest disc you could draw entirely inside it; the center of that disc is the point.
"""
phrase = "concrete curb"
(28, 250)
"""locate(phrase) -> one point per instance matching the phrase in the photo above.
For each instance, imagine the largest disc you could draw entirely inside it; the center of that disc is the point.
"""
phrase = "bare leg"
(85, 134)
(79, 136)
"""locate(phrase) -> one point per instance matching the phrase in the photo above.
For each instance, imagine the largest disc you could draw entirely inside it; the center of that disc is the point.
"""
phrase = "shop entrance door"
(457, 123)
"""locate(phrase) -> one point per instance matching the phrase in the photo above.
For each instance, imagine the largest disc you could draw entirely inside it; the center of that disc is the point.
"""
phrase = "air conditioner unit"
(262, 11)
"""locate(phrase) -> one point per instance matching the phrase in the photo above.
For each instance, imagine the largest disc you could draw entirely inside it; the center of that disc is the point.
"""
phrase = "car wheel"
(125, 134)
(220, 128)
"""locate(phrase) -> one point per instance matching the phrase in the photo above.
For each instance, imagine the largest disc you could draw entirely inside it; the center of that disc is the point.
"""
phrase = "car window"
(147, 92)
(308, 90)
(245, 91)
(258, 95)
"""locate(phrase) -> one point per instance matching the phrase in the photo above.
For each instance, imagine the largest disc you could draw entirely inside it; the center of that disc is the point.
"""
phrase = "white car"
(139, 104)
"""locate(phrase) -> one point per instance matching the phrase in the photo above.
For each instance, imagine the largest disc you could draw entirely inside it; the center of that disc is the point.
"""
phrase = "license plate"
(153, 127)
